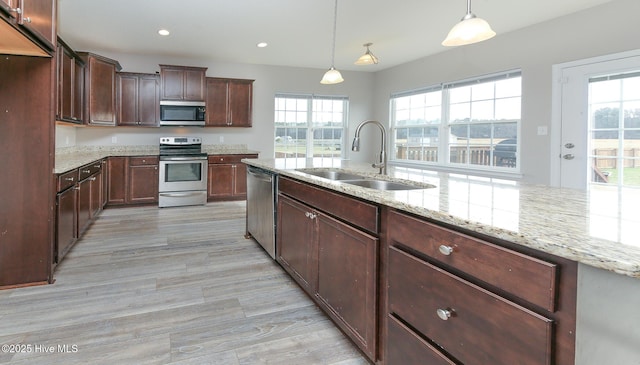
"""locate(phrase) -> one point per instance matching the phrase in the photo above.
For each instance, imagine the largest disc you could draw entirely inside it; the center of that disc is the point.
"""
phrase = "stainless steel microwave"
(182, 113)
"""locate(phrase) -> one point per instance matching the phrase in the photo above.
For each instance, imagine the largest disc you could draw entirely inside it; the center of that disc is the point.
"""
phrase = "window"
(468, 124)
(614, 129)
(310, 125)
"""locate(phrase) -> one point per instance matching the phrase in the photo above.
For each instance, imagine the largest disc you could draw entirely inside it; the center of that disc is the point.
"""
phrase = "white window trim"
(443, 163)
(309, 98)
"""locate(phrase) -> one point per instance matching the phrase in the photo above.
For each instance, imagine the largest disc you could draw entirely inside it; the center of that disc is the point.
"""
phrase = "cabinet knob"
(68, 178)
(444, 314)
(86, 171)
(27, 19)
(445, 250)
(15, 10)
(310, 215)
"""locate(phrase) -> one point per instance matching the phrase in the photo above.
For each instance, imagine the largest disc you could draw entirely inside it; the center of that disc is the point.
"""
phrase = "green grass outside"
(631, 176)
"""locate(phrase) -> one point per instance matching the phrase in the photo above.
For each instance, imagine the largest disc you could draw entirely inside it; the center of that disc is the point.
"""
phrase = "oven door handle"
(179, 195)
(183, 158)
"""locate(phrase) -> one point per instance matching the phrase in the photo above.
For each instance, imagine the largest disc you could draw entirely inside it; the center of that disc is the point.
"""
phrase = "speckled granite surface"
(69, 158)
(600, 228)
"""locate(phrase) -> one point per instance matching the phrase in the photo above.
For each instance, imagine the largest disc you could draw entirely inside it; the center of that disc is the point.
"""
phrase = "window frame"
(310, 127)
(443, 152)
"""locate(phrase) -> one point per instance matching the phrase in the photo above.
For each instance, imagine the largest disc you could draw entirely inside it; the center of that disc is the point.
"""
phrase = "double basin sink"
(366, 182)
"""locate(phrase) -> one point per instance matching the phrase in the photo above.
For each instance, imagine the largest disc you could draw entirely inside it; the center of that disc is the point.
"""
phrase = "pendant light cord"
(335, 21)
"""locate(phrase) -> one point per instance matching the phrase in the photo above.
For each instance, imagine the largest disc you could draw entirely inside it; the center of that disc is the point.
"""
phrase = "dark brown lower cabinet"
(66, 222)
(227, 177)
(133, 180)
(335, 262)
(84, 205)
(455, 298)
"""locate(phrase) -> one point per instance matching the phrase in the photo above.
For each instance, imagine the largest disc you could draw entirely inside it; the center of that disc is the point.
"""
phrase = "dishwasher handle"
(258, 174)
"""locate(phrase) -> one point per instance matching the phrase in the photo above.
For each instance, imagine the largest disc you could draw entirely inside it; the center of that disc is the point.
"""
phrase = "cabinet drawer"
(529, 278)
(67, 180)
(483, 328)
(407, 348)
(143, 160)
(228, 158)
(359, 213)
(89, 169)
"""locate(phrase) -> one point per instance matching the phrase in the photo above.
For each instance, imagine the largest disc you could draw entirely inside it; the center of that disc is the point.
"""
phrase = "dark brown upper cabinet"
(70, 84)
(229, 102)
(182, 83)
(28, 27)
(138, 99)
(100, 89)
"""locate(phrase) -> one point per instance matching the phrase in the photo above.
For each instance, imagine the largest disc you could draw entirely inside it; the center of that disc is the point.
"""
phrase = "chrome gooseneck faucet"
(382, 162)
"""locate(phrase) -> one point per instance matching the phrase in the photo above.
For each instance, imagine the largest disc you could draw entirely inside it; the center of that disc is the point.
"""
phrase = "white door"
(597, 137)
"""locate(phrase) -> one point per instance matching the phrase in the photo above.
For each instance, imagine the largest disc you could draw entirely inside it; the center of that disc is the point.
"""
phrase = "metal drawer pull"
(445, 250)
(86, 171)
(444, 314)
(310, 215)
(68, 178)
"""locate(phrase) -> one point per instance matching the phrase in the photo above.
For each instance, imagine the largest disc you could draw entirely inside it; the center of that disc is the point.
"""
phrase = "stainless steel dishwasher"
(261, 208)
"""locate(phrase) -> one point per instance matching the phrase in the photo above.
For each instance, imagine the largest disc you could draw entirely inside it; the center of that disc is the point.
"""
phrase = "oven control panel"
(180, 140)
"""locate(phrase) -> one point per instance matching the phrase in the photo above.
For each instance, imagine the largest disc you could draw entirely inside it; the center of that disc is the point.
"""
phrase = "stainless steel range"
(183, 172)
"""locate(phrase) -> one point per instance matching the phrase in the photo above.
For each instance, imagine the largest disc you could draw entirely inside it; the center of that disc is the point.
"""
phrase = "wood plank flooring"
(169, 286)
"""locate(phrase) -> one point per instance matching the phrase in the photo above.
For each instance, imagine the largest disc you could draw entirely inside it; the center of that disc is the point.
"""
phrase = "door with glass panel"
(600, 133)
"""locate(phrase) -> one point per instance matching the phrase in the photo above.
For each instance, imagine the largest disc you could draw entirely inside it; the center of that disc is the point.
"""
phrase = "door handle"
(568, 156)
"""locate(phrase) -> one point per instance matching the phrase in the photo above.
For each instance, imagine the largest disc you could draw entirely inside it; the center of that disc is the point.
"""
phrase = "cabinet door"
(296, 249)
(77, 91)
(220, 181)
(96, 190)
(65, 82)
(143, 184)
(102, 93)
(84, 205)
(172, 83)
(194, 85)
(39, 17)
(240, 102)
(104, 193)
(127, 99)
(240, 180)
(217, 102)
(117, 189)
(347, 278)
(66, 222)
(148, 100)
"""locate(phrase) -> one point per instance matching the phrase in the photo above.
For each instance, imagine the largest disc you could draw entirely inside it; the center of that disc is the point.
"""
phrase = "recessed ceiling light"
(262, 44)
(163, 32)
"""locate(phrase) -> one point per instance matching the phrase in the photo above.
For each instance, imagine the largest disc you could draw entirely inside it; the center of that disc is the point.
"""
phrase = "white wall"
(601, 30)
(606, 29)
(268, 81)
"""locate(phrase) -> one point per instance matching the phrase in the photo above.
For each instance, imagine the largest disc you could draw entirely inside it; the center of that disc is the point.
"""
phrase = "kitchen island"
(597, 229)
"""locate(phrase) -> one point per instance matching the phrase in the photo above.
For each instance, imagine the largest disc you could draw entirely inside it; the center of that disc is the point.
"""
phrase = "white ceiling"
(299, 32)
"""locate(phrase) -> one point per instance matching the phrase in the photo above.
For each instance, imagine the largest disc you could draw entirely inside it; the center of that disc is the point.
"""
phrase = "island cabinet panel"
(466, 298)
(333, 260)
(182, 83)
(527, 277)
(482, 328)
(347, 286)
(297, 250)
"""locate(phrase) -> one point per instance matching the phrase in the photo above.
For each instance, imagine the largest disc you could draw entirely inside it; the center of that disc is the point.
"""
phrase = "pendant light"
(367, 58)
(471, 29)
(333, 76)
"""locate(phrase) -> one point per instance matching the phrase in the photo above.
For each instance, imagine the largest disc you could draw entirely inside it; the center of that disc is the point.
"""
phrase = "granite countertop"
(600, 227)
(69, 158)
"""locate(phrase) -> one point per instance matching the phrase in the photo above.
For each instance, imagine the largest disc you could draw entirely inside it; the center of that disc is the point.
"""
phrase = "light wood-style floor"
(169, 286)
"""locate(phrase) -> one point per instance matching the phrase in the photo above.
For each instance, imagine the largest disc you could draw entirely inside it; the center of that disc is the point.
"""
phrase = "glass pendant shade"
(332, 76)
(368, 58)
(470, 29)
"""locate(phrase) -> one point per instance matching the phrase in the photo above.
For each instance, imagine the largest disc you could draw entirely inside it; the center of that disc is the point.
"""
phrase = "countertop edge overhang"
(548, 219)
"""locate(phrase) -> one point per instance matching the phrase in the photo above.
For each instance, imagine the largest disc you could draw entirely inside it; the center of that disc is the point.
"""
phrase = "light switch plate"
(542, 130)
